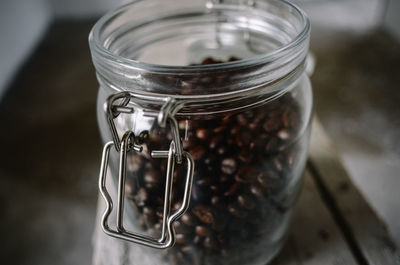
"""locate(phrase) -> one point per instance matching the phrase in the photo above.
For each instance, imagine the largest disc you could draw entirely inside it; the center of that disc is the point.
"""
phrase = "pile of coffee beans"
(243, 183)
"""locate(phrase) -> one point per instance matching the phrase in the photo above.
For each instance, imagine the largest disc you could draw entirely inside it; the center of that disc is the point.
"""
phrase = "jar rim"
(262, 58)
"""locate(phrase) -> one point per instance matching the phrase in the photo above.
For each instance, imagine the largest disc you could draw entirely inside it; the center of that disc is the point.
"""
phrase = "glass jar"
(220, 88)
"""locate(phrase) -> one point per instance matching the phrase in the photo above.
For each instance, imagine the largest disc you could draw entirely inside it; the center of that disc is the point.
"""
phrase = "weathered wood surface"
(314, 237)
(332, 224)
(362, 228)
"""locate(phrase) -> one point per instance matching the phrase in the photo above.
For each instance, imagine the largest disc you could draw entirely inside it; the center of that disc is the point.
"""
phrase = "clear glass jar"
(245, 121)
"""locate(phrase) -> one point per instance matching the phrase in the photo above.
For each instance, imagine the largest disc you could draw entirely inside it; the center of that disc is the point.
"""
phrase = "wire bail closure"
(129, 142)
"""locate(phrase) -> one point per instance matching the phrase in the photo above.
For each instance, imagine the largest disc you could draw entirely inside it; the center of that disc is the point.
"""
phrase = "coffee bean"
(228, 166)
(215, 141)
(181, 228)
(149, 214)
(236, 211)
(246, 175)
(278, 164)
(202, 134)
(283, 134)
(177, 205)
(232, 189)
(245, 201)
(246, 155)
(215, 200)
(197, 152)
(208, 60)
(197, 239)
(141, 197)
(243, 139)
(187, 219)
(204, 182)
(235, 129)
(209, 242)
(267, 179)
(187, 249)
(214, 188)
(241, 119)
(130, 188)
(202, 230)
(271, 146)
(204, 213)
(222, 150)
(152, 178)
(271, 125)
(290, 118)
(223, 179)
(256, 190)
(180, 238)
(134, 162)
(219, 129)
(253, 126)
(210, 159)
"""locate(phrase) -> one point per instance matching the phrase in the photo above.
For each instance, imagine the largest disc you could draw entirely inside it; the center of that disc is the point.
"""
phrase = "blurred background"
(50, 147)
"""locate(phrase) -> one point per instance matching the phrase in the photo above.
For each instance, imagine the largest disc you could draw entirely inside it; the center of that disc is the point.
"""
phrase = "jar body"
(248, 173)
(249, 150)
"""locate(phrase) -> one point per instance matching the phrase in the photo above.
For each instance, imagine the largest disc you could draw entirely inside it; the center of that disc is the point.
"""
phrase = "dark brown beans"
(215, 141)
(232, 189)
(149, 214)
(209, 242)
(228, 166)
(246, 201)
(236, 211)
(271, 125)
(197, 152)
(130, 188)
(202, 230)
(241, 119)
(202, 134)
(267, 179)
(204, 213)
(256, 190)
(180, 238)
(215, 200)
(141, 197)
(283, 134)
(152, 178)
(187, 219)
(241, 162)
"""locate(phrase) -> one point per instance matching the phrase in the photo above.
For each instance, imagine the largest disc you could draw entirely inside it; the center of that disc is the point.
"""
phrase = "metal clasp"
(128, 143)
(164, 116)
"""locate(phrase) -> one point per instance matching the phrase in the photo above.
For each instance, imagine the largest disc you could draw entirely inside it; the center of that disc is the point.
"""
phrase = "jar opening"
(155, 46)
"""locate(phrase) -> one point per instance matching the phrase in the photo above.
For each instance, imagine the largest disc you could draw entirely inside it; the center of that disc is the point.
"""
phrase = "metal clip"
(128, 143)
(167, 238)
(164, 116)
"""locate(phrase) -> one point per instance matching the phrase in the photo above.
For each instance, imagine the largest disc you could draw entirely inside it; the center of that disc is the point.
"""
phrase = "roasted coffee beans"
(247, 164)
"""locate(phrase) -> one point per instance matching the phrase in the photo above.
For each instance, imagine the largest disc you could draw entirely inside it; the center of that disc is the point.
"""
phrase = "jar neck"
(259, 78)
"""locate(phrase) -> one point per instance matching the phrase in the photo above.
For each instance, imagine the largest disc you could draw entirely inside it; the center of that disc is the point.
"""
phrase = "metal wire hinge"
(129, 142)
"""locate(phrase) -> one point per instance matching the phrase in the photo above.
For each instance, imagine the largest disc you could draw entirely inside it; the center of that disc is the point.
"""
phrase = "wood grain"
(314, 238)
(364, 231)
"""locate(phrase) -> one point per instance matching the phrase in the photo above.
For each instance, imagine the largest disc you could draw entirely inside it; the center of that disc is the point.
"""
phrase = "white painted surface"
(22, 24)
(392, 18)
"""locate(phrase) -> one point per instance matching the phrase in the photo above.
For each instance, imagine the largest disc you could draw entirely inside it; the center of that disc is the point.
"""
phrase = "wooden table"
(332, 225)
